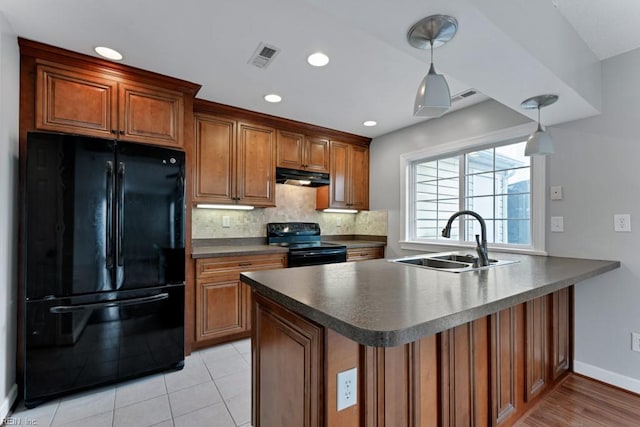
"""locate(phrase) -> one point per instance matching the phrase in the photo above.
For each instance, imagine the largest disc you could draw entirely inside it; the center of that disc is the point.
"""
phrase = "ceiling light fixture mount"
(539, 142)
(433, 98)
(318, 59)
(273, 98)
(107, 52)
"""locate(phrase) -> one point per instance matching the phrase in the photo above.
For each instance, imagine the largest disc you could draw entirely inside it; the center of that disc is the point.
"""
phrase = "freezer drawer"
(80, 342)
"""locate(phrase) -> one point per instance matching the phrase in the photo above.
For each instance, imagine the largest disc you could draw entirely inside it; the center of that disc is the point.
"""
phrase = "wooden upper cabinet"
(290, 149)
(215, 156)
(349, 187)
(297, 151)
(74, 100)
(150, 115)
(235, 162)
(256, 165)
(359, 177)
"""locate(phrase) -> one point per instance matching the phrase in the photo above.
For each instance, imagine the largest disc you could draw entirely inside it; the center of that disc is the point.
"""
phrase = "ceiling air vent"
(462, 95)
(264, 54)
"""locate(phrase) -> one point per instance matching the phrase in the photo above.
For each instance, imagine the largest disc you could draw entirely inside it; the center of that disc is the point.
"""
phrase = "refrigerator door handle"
(120, 243)
(61, 309)
(109, 228)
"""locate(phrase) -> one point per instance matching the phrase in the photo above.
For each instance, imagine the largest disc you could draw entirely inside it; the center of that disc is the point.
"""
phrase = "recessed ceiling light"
(272, 97)
(108, 53)
(318, 59)
(370, 123)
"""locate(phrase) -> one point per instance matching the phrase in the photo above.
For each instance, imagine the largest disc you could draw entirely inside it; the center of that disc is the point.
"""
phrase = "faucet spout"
(481, 248)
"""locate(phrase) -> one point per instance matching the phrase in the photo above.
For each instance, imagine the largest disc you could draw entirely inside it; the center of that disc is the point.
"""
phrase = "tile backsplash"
(293, 204)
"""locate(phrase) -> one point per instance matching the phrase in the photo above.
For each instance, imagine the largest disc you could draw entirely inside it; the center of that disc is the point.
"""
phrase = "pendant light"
(539, 142)
(433, 98)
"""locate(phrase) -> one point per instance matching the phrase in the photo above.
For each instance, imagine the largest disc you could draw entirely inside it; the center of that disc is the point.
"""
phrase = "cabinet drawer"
(361, 254)
(207, 267)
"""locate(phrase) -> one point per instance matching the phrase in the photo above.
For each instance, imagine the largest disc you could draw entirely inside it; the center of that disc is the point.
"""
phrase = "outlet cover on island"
(622, 223)
(347, 388)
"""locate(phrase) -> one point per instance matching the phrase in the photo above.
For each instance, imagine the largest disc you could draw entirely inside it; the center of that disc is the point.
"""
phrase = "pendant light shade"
(433, 98)
(539, 142)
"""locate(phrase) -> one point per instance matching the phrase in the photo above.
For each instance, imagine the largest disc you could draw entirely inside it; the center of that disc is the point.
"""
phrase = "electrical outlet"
(226, 221)
(347, 388)
(622, 223)
(635, 341)
(338, 222)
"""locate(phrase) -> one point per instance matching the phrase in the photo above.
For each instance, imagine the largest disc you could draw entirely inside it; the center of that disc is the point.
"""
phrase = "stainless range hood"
(302, 178)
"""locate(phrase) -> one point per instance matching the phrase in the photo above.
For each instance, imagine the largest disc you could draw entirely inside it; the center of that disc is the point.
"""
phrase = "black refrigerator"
(103, 262)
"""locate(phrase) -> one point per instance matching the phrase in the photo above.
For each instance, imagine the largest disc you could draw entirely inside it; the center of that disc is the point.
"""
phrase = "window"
(495, 180)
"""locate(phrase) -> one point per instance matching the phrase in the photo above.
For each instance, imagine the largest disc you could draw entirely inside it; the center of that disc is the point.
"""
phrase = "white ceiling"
(501, 49)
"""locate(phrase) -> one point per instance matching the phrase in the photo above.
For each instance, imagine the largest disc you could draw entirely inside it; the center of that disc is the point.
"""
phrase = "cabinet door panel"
(151, 115)
(256, 165)
(290, 149)
(220, 308)
(561, 345)
(317, 155)
(215, 159)
(339, 177)
(289, 389)
(69, 101)
(359, 177)
(536, 347)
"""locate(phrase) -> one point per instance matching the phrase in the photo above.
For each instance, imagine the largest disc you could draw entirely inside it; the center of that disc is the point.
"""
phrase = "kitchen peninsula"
(430, 347)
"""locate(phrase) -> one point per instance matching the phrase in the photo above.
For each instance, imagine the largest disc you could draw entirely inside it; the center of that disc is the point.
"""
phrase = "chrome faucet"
(483, 257)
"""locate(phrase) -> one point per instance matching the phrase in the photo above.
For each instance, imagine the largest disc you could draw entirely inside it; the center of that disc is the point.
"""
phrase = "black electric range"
(304, 243)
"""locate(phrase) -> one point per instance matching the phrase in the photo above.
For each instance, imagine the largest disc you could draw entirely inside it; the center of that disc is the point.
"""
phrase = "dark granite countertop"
(383, 304)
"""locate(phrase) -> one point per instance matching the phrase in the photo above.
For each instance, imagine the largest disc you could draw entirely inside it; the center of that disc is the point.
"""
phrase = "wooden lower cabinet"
(287, 352)
(363, 254)
(223, 303)
(480, 373)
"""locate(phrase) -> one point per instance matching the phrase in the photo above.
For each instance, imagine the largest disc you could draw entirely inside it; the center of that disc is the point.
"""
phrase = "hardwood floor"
(580, 401)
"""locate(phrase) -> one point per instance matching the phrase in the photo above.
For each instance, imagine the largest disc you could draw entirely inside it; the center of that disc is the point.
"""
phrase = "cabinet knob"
(113, 131)
(121, 132)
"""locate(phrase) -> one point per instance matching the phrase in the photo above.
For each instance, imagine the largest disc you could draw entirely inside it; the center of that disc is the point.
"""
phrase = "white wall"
(9, 100)
(596, 162)
(480, 119)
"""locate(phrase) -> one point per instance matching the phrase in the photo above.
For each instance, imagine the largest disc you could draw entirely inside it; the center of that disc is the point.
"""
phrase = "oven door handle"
(60, 309)
(316, 253)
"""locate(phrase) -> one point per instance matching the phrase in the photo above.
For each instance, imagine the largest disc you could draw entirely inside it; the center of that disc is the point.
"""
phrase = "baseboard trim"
(7, 402)
(613, 378)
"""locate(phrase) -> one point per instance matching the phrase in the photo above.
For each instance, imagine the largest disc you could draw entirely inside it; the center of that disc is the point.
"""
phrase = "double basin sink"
(454, 263)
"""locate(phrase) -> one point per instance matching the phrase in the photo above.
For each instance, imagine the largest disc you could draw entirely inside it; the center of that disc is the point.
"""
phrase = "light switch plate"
(347, 388)
(557, 224)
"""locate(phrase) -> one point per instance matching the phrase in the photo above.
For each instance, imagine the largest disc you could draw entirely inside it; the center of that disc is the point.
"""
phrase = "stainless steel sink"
(452, 262)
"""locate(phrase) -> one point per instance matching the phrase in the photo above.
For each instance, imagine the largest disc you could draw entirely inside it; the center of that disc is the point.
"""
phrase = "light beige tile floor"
(213, 390)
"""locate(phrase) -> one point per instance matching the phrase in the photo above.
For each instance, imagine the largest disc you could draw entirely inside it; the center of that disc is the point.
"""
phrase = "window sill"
(446, 247)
